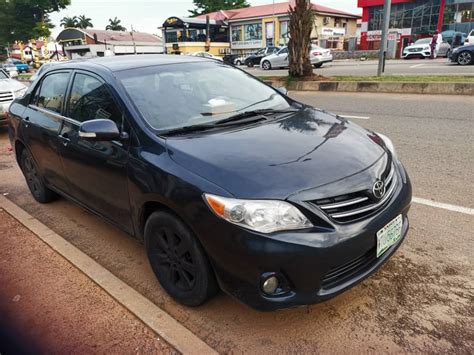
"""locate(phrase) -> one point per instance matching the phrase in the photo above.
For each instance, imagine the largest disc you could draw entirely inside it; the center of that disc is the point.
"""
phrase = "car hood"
(10, 85)
(278, 158)
(417, 46)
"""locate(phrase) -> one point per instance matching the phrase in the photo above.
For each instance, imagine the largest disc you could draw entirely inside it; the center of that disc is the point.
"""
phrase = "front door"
(96, 171)
(41, 124)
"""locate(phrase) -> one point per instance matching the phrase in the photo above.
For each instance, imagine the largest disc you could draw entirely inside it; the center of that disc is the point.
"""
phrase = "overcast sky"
(147, 15)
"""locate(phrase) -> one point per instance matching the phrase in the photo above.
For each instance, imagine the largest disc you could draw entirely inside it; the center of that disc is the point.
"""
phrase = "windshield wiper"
(261, 114)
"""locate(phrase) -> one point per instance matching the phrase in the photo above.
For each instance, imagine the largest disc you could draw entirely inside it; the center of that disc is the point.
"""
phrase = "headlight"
(20, 93)
(389, 145)
(263, 216)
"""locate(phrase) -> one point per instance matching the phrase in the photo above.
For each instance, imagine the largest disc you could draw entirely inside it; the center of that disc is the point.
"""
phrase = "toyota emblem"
(378, 189)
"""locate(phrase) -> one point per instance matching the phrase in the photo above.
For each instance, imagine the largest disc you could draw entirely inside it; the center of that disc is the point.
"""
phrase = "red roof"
(120, 36)
(267, 10)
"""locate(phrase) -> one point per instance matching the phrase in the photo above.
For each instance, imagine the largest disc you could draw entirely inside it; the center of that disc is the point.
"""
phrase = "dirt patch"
(49, 306)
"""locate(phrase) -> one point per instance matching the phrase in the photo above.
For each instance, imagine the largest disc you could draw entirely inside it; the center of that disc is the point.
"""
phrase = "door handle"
(64, 139)
(26, 121)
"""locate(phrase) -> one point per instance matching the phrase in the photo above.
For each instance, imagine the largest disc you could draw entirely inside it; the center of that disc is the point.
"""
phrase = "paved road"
(369, 68)
(420, 301)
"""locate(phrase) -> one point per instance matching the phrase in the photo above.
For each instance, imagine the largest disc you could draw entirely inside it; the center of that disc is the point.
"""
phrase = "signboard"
(333, 31)
(246, 44)
(374, 35)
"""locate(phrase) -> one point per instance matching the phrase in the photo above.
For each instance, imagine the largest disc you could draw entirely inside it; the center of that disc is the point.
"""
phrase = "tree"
(115, 25)
(206, 6)
(21, 20)
(301, 26)
(84, 22)
(69, 21)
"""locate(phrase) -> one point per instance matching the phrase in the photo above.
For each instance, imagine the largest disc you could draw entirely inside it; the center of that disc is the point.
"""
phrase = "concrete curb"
(393, 87)
(154, 317)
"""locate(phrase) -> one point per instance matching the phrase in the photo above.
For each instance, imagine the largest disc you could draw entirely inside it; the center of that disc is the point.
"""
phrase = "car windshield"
(181, 95)
(3, 75)
(423, 41)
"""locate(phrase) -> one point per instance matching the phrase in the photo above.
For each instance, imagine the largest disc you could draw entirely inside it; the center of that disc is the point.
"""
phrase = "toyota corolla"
(229, 182)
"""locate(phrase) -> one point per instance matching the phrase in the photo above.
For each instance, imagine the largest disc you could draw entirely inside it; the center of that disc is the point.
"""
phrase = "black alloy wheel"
(464, 58)
(178, 260)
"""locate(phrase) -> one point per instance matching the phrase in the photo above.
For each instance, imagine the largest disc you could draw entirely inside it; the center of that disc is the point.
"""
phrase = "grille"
(358, 205)
(414, 50)
(340, 274)
(6, 96)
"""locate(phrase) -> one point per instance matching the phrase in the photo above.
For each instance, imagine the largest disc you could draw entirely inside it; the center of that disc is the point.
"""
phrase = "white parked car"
(205, 55)
(9, 90)
(422, 49)
(10, 69)
(470, 38)
(318, 57)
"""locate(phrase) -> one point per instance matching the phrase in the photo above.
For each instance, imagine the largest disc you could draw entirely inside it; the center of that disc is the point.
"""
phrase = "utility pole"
(133, 40)
(383, 43)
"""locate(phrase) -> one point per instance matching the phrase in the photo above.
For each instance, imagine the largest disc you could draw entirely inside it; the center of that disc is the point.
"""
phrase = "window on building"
(253, 32)
(236, 33)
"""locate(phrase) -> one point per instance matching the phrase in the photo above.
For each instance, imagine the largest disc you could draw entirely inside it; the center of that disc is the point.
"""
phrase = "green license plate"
(389, 235)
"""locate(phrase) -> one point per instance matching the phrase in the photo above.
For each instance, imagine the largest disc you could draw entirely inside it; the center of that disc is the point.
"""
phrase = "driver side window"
(90, 99)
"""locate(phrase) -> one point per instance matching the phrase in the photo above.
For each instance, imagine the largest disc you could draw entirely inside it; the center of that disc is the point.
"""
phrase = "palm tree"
(69, 21)
(301, 25)
(115, 25)
(84, 22)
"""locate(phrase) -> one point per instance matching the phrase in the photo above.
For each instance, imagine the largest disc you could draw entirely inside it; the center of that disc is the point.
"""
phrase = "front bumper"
(424, 54)
(312, 266)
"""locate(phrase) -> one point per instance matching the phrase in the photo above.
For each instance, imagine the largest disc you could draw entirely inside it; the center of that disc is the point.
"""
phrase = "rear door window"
(52, 92)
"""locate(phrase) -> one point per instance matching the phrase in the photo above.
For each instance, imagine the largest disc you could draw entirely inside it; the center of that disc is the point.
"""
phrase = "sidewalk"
(49, 306)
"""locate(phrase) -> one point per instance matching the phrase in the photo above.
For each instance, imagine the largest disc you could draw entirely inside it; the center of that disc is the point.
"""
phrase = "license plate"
(389, 235)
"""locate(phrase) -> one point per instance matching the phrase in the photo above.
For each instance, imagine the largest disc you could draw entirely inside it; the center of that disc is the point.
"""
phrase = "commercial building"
(187, 35)
(88, 43)
(245, 30)
(413, 19)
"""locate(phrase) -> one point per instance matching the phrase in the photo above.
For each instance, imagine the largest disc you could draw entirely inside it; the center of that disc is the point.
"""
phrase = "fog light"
(270, 285)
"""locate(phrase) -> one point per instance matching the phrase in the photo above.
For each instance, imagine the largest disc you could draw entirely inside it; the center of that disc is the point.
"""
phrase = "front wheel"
(178, 260)
(464, 58)
(266, 65)
(318, 65)
(249, 64)
(33, 179)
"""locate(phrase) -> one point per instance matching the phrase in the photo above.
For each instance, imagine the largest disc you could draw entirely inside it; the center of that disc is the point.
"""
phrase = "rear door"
(40, 127)
(281, 59)
(96, 171)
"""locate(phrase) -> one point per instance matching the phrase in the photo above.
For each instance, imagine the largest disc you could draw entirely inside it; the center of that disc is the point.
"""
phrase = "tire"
(464, 58)
(33, 179)
(266, 65)
(239, 63)
(249, 64)
(318, 65)
(178, 260)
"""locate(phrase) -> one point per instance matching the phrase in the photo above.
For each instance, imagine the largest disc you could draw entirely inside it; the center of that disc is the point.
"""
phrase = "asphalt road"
(438, 66)
(420, 301)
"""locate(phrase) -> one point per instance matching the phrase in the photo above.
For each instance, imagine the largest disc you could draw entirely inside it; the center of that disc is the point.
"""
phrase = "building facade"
(413, 19)
(255, 27)
(89, 43)
(187, 35)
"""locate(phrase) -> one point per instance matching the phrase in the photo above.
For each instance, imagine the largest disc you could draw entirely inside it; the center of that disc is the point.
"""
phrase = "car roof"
(124, 62)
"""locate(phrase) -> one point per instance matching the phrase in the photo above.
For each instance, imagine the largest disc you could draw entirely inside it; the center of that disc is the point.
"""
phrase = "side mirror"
(282, 90)
(99, 130)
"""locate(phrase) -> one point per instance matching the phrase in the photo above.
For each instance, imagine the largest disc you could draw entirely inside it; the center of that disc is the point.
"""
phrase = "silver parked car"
(318, 57)
(422, 49)
(9, 90)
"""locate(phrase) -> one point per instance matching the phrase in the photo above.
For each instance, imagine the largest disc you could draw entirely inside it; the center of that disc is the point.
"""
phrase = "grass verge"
(397, 78)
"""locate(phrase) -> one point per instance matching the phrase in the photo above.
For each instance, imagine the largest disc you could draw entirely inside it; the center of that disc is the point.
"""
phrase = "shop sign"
(247, 44)
(333, 31)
